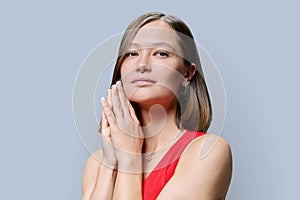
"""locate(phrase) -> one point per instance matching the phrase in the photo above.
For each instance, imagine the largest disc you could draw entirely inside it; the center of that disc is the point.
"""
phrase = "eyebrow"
(157, 44)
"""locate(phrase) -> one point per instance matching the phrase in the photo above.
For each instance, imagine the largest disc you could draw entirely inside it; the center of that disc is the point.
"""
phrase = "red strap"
(165, 169)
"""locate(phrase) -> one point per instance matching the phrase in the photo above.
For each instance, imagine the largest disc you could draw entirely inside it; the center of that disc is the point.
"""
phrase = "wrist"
(108, 161)
(131, 163)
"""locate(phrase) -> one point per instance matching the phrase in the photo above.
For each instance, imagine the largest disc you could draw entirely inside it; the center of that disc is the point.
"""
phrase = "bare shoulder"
(92, 163)
(91, 171)
(204, 170)
(94, 159)
(210, 146)
(209, 158)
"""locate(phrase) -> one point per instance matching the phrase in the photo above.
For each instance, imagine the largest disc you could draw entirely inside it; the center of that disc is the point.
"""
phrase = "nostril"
(143, 67)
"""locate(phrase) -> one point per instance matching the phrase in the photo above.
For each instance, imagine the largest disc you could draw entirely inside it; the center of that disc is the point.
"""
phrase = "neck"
(158, 125)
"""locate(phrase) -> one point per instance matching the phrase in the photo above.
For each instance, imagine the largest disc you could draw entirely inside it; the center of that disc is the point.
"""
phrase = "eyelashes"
(131, 54)
(159, 53)
(162, 53)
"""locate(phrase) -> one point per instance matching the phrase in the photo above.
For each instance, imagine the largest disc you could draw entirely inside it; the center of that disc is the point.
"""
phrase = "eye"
(161, 53)
(131, 54)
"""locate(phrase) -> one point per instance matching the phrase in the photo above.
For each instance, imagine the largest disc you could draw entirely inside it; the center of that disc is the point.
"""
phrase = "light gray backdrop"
(254, 43)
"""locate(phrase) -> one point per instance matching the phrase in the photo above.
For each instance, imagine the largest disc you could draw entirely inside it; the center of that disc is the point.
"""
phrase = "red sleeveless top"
(165, 169)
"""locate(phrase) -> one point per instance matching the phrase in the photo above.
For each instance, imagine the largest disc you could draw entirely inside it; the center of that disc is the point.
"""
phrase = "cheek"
(124, 69)
(126, 73)
(171, 77)
(127, 76)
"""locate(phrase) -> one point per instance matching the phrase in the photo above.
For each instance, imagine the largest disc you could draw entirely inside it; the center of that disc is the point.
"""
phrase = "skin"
(117, 172)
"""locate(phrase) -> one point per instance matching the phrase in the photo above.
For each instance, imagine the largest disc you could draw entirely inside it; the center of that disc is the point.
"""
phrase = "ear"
(190, 71)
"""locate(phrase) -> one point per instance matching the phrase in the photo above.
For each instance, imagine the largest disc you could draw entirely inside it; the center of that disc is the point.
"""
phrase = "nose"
(144, 62)
(143, 68)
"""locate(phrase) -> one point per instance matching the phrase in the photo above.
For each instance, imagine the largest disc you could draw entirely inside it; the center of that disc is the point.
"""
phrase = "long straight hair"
(194, 111)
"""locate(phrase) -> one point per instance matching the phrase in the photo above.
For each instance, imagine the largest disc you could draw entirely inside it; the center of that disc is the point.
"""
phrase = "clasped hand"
(122, 136)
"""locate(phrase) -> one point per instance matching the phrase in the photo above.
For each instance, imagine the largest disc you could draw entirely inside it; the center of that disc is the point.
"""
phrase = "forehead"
(156, 33)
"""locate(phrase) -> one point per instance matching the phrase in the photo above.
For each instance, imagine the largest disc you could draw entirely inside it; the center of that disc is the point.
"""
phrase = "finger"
(104, 123)
(109, 98)
(122, 98)
(116, 106)
(104, 126)
(110, 117)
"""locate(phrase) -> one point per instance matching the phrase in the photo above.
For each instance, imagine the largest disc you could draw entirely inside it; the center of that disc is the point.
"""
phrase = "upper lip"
(143, 79)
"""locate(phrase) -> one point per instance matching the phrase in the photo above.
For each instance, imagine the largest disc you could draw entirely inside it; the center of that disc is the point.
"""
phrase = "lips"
(142, 81)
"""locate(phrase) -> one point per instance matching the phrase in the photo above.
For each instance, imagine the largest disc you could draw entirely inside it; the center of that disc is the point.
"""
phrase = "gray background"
(254, 43)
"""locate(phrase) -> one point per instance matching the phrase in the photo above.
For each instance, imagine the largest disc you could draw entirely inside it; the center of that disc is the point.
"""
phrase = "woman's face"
(153, 72)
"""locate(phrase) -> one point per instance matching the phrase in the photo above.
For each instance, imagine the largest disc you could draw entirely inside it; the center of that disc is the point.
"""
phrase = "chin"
(151, 98)
(149, 95)
(143, 98)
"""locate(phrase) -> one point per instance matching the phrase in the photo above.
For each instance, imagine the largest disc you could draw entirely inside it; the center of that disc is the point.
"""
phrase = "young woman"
(155, 119)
